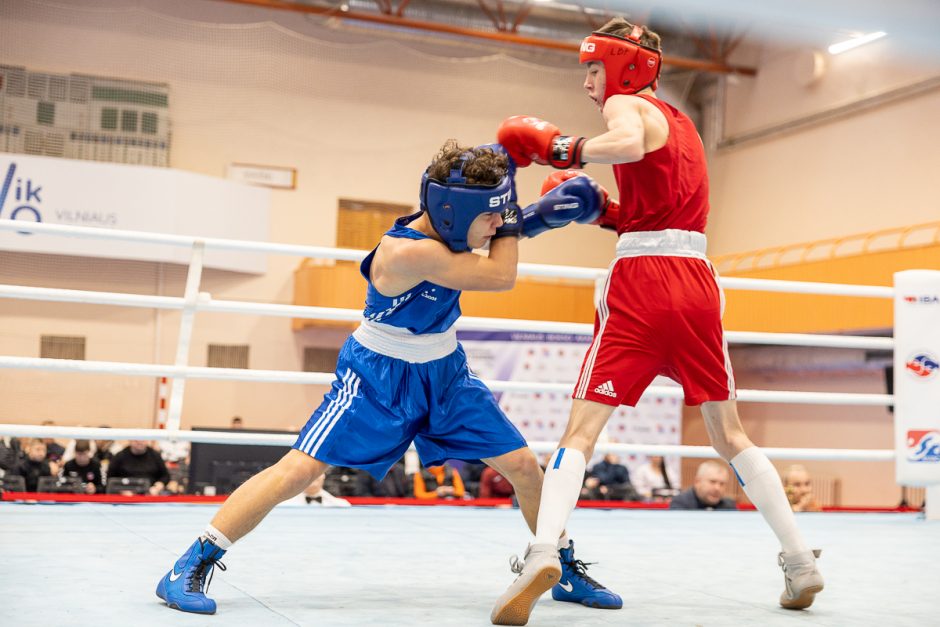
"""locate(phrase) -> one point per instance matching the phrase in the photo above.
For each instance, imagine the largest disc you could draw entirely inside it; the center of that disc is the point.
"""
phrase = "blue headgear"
(453, 205)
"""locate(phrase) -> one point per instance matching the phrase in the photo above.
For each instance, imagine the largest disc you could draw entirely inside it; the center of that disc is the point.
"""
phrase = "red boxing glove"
(610, 216)
(555, 179)
(611, 212)
(529, 139)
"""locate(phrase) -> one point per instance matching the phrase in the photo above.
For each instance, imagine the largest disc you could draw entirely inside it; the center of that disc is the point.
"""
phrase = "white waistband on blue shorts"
(665, 243)
(405, 345)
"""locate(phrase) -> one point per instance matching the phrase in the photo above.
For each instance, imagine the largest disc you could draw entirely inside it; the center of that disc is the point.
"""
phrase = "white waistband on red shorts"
(405, 345)
(666, 243)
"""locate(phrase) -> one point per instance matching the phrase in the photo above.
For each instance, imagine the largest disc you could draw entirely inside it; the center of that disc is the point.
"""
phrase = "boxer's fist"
(577, 199)
(609, 215)
(529, 139)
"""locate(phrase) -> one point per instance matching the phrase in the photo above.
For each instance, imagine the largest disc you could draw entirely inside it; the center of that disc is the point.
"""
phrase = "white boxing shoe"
(801, 578)
(540, 570)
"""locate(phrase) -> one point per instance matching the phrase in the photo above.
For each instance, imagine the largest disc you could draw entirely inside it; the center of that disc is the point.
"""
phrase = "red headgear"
(630, 66)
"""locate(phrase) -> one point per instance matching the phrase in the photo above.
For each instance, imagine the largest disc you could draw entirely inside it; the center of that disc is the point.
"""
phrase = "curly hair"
(621, 27)
(485, 167)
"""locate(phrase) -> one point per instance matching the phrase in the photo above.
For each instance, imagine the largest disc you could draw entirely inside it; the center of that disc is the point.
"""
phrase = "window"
(45, 113)
(227, 356)
(109, 119)
(129, 121)
(361, 223)
(320, 359)
(62, 347)
(148, 123)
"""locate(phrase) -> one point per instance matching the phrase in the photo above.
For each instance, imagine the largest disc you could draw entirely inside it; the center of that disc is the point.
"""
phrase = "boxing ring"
(441, 565)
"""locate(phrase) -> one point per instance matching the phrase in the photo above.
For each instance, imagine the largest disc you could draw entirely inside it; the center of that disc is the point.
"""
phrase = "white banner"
(917, 377)
(131, 197)
(543, 416)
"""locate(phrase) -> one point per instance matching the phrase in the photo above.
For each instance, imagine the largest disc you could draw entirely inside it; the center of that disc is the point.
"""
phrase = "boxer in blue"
(402, 377)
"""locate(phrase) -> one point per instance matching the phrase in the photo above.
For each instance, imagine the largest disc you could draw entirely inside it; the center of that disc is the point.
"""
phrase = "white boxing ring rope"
(194, 301)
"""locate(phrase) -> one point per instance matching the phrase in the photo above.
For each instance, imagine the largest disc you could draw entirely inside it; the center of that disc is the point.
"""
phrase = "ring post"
(917, 383)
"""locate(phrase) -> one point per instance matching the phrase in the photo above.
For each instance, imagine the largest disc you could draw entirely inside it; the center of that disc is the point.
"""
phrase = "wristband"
(566, 152)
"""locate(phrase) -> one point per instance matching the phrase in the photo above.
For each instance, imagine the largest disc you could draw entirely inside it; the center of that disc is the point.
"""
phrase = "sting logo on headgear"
(629, 65)
(453, 205)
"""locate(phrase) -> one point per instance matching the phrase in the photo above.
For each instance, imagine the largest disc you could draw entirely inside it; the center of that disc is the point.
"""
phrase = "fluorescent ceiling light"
(855, 42)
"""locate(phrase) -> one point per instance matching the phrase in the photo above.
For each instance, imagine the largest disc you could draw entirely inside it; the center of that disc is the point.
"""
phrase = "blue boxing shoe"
(576, 587)
(184, 587)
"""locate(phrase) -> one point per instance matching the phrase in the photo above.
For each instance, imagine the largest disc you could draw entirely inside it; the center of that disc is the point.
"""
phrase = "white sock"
(216, 537)
(563, 542)
(759, 479)
(560, 492)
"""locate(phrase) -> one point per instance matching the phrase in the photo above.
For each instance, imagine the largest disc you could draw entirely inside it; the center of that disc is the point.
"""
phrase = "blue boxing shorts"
(379, 404)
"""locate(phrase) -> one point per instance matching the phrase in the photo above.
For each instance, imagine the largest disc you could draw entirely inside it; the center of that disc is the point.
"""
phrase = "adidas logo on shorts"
(607, 389)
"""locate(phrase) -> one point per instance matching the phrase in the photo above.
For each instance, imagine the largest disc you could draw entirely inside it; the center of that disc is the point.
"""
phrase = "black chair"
(12, 483)
(66, 485)
(135, 485)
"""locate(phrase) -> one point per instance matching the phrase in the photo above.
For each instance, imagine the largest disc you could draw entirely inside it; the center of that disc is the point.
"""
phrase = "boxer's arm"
(414, 261)
(632, 131)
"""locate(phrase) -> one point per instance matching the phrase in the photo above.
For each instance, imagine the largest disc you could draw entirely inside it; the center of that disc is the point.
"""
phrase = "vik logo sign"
(22, 196)
(923, 446)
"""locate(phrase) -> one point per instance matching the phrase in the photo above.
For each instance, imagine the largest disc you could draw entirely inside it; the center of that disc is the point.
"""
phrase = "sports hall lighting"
(855, 42)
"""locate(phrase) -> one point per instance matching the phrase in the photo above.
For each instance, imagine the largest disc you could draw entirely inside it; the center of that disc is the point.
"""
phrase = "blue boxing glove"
(577, 199)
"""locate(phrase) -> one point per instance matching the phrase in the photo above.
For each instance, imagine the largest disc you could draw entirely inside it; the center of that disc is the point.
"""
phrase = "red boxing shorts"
(658, 315)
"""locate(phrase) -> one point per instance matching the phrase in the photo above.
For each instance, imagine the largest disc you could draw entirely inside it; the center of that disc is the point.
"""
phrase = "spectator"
(85, 468)
(105, 450)
(609, 480)
(140, 460)
(438, 482)
(35, 465)
(10, 453)
(344, 481)
(495, 486)
(652, 479)
(237, 423)
(799, 489)
(471, 475)
(54, 450)
(316, 494)
(393, 485)
(708, 491)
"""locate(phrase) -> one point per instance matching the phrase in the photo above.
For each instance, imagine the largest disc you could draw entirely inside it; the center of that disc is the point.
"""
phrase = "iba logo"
(923, 446)
(923, 299)
(922, 365)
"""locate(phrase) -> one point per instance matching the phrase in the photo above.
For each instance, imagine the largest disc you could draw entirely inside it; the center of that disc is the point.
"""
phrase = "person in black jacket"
(609, 480)
(34, 465)
(85, 467)
(139, 460)
(708, 491)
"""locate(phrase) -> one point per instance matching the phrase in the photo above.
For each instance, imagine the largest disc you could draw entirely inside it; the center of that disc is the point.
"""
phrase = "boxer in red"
(660, 311)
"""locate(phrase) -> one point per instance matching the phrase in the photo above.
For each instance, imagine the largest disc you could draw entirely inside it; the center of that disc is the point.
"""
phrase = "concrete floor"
(99, 564)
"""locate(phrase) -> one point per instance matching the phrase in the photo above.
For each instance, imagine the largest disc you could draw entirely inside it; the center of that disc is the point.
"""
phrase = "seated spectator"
(140, 460)
(439, 482)
(472, 475)
(393, 485)
(10, 453)
(54, 450)
(495, 486)
(344, 481)
(35, 465)
(708, 491)
(104, 450)
(85, 468)
(315, 494)
(237, 423)
(799, 489)
(651, 479)
(608, 480)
